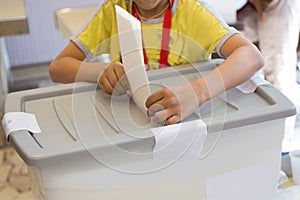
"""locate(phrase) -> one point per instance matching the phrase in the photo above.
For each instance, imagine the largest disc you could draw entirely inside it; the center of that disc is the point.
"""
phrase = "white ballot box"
(96, 146)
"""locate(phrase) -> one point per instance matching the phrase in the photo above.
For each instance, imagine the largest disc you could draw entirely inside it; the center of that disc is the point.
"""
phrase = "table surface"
(12, 10)
(13, 19)
(69, 20)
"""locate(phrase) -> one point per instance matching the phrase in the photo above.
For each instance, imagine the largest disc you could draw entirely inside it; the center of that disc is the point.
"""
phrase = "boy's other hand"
(113, 80)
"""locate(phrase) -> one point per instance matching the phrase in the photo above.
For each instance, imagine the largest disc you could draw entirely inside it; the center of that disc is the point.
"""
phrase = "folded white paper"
(131, 45)
(183, 141)
(250, 85)
(17, 121)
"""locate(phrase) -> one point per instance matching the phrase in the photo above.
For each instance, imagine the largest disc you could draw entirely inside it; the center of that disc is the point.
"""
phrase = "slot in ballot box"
(96, 146)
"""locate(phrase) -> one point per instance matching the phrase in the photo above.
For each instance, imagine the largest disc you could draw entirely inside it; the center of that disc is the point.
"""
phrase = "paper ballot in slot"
(130, 37)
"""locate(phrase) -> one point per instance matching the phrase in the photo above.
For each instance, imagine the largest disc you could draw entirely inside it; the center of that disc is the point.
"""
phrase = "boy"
(196, 31)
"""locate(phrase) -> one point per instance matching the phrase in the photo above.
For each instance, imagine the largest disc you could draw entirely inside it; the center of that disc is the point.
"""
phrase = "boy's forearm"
(90, 71)
(68, 70)
(237, 68)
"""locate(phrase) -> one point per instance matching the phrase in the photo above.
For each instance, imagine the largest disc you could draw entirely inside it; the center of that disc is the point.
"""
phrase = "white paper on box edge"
(17, 121)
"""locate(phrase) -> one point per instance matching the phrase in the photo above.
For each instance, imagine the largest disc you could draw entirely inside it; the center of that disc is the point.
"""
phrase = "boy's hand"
(113, 79)
(171, 105)
(260, 6)
(245, 11)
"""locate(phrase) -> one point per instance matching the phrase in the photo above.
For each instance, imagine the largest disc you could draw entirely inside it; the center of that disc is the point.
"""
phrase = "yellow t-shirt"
(196, 32)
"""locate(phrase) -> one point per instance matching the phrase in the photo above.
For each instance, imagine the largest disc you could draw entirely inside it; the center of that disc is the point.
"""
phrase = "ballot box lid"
(75, 118)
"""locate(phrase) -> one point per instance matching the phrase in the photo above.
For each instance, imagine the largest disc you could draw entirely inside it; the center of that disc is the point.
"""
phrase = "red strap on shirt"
(164, 50)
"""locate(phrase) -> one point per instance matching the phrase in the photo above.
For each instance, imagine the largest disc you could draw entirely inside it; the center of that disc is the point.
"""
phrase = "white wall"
(226, 8)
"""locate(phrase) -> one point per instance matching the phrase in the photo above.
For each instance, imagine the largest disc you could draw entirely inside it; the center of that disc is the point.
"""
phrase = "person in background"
(274, 26)
(196, 32)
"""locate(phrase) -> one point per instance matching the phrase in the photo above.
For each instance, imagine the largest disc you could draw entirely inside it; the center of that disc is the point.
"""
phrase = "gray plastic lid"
(77, 118)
